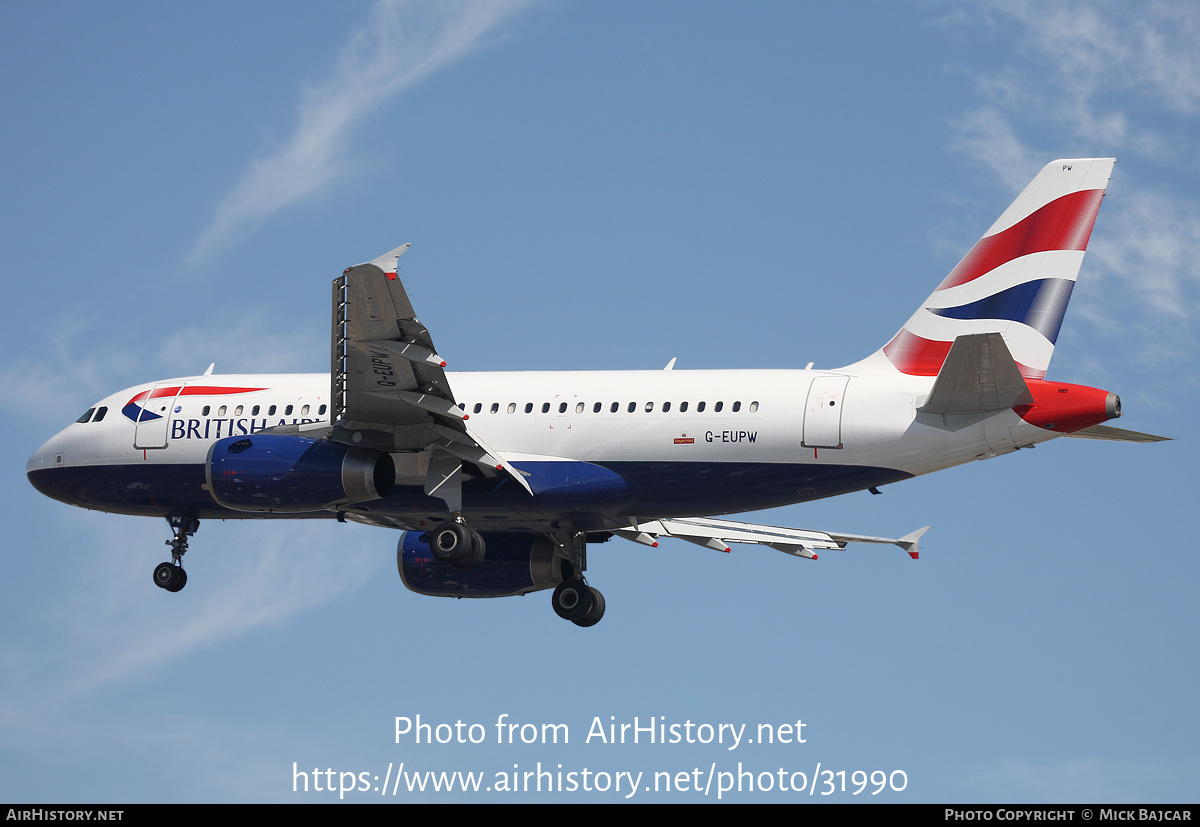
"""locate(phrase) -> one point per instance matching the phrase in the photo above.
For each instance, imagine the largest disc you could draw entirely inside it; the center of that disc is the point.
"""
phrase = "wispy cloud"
(1149, 48)
(1081, 68)
(290, 571)
(114, 627)
(987, 135)
(109, 627)
(81, 361)
(402, 44)
(1105, 78)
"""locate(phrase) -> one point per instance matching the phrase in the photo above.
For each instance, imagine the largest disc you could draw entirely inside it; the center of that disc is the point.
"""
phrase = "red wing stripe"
(1063, 224)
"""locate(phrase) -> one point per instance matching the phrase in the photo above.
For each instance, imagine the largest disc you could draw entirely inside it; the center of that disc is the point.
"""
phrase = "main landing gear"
(574, 599)
(171, 576)
(455, 544)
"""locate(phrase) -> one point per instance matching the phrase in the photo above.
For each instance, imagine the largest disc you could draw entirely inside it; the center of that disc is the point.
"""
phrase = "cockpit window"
(87, 415)
(100, 412)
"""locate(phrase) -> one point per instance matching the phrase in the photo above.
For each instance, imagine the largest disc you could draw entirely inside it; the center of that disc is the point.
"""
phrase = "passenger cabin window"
(699, 407)
(545, 407)
(221, 410)
(86, 416)
(596, 408)
(303, 411)
(286, 411)
(478, 407)
(632, 407)
(683, 407)
(237, 411)
(495, 407)
(528, 407)
(666, 407)
(615, 406)
(208, 408)
(254, 411)
(717, 407)
(321, 410)
(512, 407)
(270, 411)
(649, 407)
(737, 406)
(579, 408)
(753, 407)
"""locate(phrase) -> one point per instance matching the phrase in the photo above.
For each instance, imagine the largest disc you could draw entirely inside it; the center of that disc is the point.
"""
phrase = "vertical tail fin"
(1017, 279)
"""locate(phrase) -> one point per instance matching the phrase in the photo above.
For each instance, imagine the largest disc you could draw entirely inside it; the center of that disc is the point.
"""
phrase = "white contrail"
(403, 43)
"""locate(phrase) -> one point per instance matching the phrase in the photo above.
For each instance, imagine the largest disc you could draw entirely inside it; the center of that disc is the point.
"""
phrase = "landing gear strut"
(574, 599)
(171, 576)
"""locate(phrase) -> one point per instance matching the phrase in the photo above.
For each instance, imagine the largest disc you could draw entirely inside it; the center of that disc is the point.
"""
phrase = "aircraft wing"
(718, 534)
(389, 389)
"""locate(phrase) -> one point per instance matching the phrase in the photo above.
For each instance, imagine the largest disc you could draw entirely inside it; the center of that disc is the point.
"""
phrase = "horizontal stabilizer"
(978, 376)
(1117, 434)
(717, 534)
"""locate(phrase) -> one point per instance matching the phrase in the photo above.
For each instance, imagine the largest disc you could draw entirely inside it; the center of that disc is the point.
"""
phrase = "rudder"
(1017, 279)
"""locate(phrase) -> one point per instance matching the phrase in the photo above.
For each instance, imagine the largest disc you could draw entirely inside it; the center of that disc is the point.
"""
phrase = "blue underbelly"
(582, 494)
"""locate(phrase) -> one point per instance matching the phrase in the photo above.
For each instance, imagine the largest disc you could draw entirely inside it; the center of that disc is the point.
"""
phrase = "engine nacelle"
(515, 564)
(276, 472)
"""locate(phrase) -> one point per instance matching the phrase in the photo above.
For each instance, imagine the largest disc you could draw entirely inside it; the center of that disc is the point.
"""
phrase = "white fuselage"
(726, 441)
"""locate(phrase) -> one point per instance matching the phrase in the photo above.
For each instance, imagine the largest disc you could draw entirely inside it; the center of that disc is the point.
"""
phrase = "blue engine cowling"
(277, 472)
(515, 564)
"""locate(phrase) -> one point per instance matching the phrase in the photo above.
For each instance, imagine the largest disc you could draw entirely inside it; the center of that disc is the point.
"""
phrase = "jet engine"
(515, 564)
(292, 474)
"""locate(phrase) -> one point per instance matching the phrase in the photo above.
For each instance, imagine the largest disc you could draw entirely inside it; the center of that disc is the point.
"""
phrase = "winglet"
(909, 541)
(389, 261)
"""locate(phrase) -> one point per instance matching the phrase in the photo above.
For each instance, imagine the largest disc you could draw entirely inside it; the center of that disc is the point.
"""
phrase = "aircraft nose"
(42, 458)
(46, 469)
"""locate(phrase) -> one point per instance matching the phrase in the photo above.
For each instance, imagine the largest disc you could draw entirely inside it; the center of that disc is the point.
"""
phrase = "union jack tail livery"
(1017, 279)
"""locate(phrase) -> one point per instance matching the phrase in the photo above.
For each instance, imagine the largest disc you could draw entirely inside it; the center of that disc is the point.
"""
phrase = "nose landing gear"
(171, 576)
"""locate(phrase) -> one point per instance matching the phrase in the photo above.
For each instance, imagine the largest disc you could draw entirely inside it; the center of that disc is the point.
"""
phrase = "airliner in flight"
(498, 482)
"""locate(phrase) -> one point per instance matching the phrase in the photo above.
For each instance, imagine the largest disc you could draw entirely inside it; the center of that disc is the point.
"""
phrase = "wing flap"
(718, 534)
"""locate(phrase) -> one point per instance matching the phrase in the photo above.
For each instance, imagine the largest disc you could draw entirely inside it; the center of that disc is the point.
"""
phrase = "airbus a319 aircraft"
(499, 481)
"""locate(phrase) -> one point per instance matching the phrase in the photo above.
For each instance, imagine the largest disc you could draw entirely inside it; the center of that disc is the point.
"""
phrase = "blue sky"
(599, 185)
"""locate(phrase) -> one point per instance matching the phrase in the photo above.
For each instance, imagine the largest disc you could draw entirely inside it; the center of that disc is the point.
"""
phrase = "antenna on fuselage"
(210, 369)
